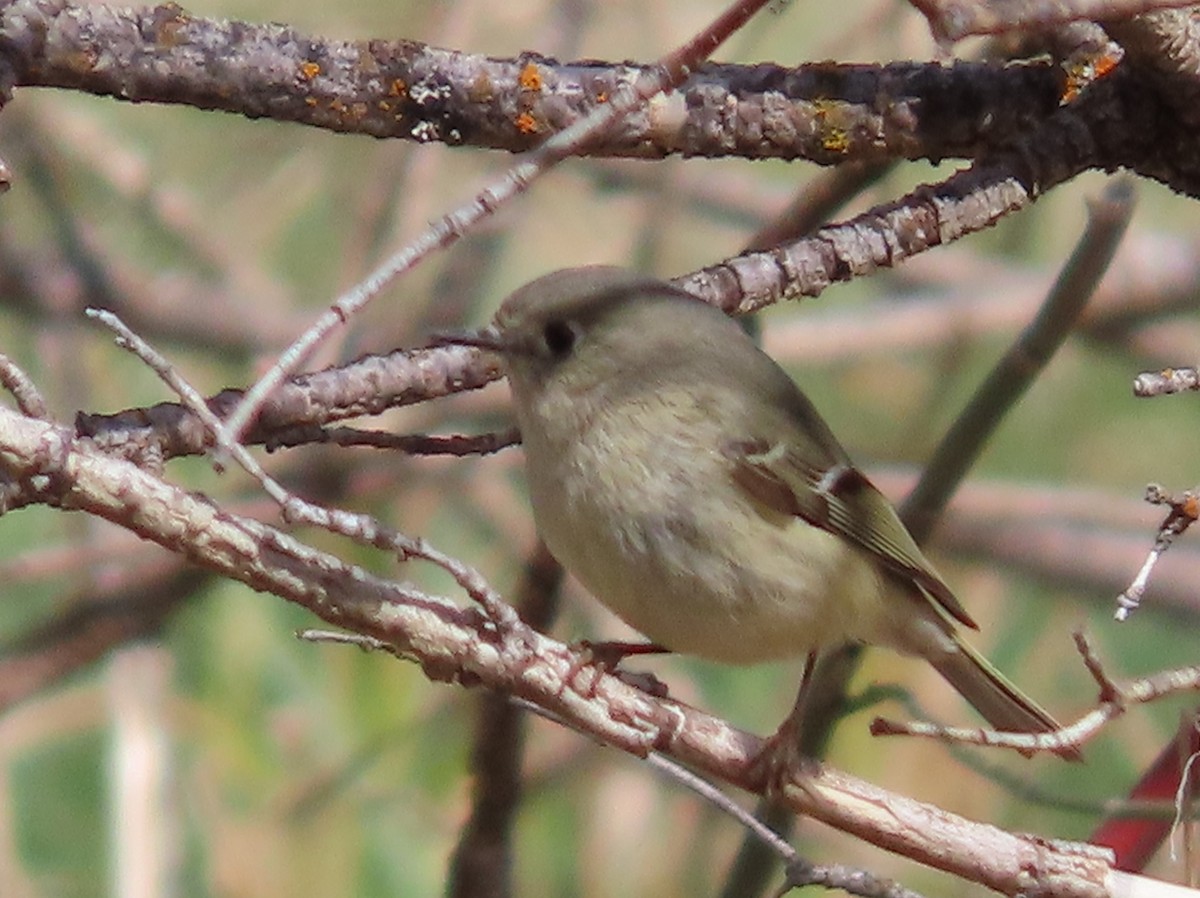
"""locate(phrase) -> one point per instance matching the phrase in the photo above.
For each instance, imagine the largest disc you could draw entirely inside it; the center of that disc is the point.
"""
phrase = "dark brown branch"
(404, 89)
(482, 860)
(828, 113)
(412, 443)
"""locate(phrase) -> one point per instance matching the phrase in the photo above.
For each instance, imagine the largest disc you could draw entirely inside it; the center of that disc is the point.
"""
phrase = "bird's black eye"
(559, 337)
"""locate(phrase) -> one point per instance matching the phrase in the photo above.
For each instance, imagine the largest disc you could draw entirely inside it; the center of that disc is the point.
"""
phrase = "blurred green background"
(301, 769)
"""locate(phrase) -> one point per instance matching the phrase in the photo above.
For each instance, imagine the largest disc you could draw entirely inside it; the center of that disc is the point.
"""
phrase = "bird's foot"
(779, 761)
(605, 657)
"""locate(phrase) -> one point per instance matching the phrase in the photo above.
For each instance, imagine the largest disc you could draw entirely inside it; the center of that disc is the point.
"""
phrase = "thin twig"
(1120, 698)
(1184, 510)
(29, 398)
(358, 527)
(671, 71)
(1169, 380)
(337, 637)
(799, 871)
(1108, 690)
(411, 443)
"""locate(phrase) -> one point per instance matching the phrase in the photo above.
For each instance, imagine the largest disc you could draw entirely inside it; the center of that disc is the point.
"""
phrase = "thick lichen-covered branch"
(405, 89)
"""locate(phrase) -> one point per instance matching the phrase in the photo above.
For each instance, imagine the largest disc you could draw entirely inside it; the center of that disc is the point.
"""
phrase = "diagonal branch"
(460, 645)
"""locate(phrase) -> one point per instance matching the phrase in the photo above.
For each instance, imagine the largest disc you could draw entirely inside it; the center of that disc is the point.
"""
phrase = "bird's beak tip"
(485, 338)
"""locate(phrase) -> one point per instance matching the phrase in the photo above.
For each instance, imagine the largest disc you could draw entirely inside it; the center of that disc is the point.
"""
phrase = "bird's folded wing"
(837, 497)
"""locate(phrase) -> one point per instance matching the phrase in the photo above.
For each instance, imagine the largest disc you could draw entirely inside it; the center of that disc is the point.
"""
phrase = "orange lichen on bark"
(1080, 74)
(527, 124)
(530, 78)
(1191, 506)
(836, 141)
(309, 70)
(834, 138)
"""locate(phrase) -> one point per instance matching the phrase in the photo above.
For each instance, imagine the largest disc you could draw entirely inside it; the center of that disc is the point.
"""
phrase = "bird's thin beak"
(485, 338)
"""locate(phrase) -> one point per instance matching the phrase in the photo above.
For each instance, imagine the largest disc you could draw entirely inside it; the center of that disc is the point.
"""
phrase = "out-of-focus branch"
(90, 631)
(1024, 360)
(481, 866)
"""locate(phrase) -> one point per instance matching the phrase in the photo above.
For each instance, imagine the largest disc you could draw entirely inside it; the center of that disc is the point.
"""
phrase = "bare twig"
(671, 71)
(1184, 509)
(369, 385)
(366, 643)
(411, 443)
(1108, 690)
(359, 527)
(29, 398)
(853, 881)
(1170, 380)
(799, 872)
(1114, 701)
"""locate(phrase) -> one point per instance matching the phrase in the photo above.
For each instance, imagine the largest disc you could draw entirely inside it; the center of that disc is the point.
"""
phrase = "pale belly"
(713, 577)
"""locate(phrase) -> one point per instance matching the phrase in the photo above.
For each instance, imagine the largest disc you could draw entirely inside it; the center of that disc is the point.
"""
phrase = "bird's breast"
(641, 507)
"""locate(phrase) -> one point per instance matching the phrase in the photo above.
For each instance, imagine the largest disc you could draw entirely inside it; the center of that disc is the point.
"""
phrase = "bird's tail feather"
(1001, 703)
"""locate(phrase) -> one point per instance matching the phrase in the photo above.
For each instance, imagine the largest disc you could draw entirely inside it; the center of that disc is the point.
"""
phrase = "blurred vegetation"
(300, 769)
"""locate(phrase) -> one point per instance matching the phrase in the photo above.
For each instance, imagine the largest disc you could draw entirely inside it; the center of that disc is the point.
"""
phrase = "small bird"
(678, 472)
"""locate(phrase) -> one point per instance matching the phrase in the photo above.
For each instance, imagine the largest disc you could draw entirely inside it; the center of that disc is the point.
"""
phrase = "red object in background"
(1136, 839)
